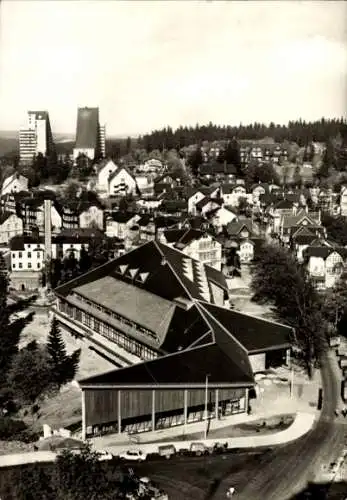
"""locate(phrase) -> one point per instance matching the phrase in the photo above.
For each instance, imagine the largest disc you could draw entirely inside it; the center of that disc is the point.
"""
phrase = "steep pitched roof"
(4, 216)
(324, 251)
(119, 169)
(235, 227)
(289, 221)
(121, 217)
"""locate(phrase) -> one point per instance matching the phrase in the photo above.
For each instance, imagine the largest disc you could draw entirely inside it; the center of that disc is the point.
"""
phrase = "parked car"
(104, 455)
(199, 449)
(133, 455)
(167, 451)
(220, 447)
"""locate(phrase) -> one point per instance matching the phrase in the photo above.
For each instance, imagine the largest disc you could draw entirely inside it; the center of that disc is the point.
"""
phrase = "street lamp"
(206, 403)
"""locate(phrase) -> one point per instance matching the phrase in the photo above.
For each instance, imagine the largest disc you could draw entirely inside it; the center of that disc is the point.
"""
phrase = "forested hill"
(300, 131)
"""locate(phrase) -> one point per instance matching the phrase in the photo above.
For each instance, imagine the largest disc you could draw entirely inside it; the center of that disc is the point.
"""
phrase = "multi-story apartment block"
(36, 137)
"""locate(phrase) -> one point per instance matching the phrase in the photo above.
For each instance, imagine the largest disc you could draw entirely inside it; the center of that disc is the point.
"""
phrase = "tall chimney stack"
(48, 239)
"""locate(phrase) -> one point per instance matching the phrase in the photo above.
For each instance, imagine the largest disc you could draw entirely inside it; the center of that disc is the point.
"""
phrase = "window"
(38, 254)
(29, 255)
(13, 266)
(13, 256)
(20, 265)
(29, 245)
(38, 265)
(19, 255)
(29, 265)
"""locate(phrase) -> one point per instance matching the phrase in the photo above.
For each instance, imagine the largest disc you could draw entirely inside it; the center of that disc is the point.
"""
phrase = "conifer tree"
(55, 345)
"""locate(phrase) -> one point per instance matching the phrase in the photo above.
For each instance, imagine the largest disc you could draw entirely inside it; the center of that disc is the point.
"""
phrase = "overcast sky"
(152, 64)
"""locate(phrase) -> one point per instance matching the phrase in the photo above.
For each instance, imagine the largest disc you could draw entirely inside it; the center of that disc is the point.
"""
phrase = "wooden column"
(217, 403)
(84, 427)
(153, 410)
(246, 399)
(119, 419)
(185, 406)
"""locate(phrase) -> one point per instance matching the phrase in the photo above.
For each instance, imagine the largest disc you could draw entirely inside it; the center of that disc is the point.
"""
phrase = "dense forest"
(300, 131)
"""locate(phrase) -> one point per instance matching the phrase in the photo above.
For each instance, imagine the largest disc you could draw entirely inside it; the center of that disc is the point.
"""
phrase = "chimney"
(48, 238)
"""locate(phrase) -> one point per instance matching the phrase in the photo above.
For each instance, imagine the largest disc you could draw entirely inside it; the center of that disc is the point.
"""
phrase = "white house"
(145, 184)
(196, 244)
(56, 219)
(122, 182)
(10, 225)
(231, 195)
(325, 264)
(104, 169)
(221, 217)
(27, 262)
(198, 196)
(118, 224)
(14, 184)
(93, 216)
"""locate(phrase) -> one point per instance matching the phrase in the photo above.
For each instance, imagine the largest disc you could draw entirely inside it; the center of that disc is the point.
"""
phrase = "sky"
(147, 65)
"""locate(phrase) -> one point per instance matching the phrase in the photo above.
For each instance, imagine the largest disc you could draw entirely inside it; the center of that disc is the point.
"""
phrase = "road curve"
(287, 470)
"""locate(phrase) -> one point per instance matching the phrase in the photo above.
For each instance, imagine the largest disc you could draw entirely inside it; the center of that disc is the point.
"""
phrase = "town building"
(10, 225)
(103, 170)
(158, 313)
(325, 264)
(122, 182)
(198, 245)
(36, 137)
(14, 184)
(90, 135)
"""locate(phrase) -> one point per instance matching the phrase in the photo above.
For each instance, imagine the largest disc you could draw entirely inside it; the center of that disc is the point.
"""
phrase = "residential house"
(232, 193)
(165, 183)
(300, 217)
(196, 244)
(149, 204)
(104, 169)
(175, 208)
(220, 217)
(10, 225)
(92, 216)
(119, 223)
(195, 196)
(258, 190)
(32, 212)
(10, 202)
(153, 227)
(150, 166)
(197, 222)
(302, 238)
(218, 171)
(256, 153)
(14, 184)
(82, 214)
(325, 264)
(145, 184)
(72, 241)
(245, 236)
(122, 182)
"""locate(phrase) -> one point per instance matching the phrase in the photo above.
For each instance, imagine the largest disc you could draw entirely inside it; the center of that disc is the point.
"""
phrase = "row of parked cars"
(168, 451)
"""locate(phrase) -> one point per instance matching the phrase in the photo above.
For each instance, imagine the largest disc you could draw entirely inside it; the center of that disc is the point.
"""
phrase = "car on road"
(133, 455)
(104, 455)
(199, 449)
(167, 451)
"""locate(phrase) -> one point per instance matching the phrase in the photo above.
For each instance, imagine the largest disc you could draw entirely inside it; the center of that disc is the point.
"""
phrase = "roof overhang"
(271, 348)
(202, 385)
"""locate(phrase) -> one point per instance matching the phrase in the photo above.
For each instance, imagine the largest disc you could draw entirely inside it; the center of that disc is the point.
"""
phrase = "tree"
(71, 477)
(244, 207)
(63, 366)
(335, 302)
(260, 173)
(328, 161)
(336, 228)
(195, 161)
(30, 375)
(128, 145)
(280, 280)
(84, 260)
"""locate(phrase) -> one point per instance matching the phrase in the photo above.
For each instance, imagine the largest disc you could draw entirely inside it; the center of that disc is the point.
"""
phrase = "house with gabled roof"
(10, 225)
(199, 245)
(104, 169)
(195, 196)
(325, 264)
(122, 182)
(119, 223)
(14, 184)
(244, 235)
(300, 217)
(303, 237)
(157, 313)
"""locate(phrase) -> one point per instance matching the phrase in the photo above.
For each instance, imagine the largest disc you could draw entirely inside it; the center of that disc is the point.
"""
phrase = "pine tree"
(63, 366)
(55, 344)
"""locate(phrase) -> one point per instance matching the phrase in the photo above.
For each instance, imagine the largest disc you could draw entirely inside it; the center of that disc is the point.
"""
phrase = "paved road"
(275, 475)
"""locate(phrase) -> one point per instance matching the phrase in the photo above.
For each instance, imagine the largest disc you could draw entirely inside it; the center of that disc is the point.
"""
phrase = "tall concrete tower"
(48, 239)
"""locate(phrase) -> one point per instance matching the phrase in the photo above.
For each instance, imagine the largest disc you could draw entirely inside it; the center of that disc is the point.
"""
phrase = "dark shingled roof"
(255, 334)
(180, 368)
(183, 236)
(17, 242)
(4, 216)
(87, 128)
(121, 217)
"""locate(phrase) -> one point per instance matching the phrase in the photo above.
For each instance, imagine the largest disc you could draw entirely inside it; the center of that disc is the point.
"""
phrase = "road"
(276, 475)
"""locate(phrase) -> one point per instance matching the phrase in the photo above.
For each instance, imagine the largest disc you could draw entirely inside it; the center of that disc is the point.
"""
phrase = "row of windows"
(29, 266)
(116, 316)
(126, 343)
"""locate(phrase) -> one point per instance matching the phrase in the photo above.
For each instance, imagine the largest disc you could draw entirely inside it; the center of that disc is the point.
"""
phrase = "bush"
(11, 429)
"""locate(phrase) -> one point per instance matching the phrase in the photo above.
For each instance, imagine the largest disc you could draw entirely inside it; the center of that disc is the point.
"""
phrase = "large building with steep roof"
(163, 319)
